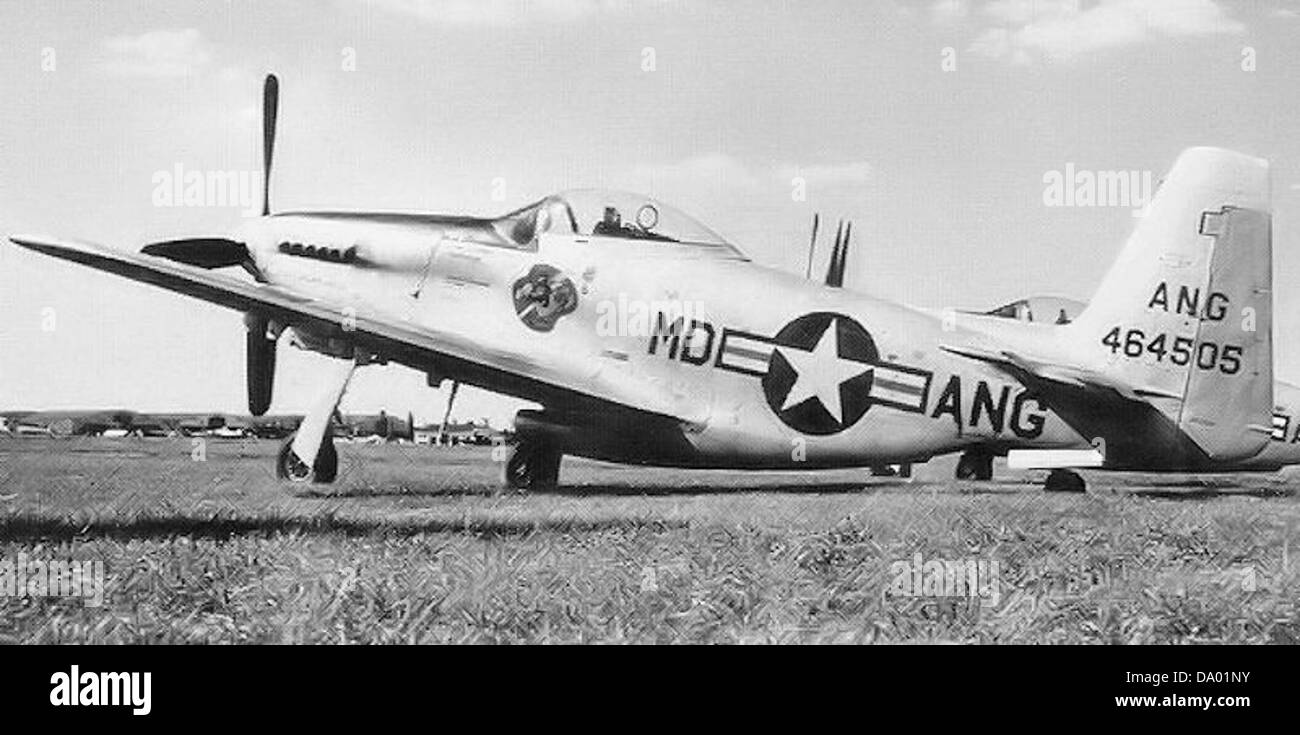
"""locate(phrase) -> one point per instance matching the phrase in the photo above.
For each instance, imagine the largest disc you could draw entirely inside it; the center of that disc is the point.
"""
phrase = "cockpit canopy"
(614, 214)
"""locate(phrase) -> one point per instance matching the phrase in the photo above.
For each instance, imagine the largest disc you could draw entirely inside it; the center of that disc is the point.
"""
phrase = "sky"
(934, 126)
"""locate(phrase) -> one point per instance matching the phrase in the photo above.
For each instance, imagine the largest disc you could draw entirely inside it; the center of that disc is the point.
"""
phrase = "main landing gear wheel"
(1064, 481)
(532, 466)
(324, 470)
(975, 466)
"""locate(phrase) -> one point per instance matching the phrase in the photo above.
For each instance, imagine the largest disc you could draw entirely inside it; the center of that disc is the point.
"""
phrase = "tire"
(516, 469)
(327, 462)
(545, 470)
(325, 470)
(532, 467)
(1064, 481)
(975, 466)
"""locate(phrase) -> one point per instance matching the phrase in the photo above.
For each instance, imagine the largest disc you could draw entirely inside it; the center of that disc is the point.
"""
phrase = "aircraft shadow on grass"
(609, 490)
(630, 490)
(1207, 490)
(21, 529)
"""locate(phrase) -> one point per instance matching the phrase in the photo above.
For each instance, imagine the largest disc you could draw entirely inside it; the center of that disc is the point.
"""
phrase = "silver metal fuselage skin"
(458, 277)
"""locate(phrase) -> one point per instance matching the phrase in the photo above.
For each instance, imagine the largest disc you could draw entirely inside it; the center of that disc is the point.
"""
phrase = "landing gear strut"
(532, 465)
(308, 455)
(1064, 481)
(975, 466)
(324, 470)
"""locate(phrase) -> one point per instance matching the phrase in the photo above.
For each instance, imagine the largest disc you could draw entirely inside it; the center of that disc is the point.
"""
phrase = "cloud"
(1019, 12)
(719, 170)
(157, 54)
(1022, 31)
(945, 12)
(502, 12)
(852, 173)
(711, 169)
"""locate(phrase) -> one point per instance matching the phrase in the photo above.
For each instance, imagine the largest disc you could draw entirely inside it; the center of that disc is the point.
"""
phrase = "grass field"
(413, 545)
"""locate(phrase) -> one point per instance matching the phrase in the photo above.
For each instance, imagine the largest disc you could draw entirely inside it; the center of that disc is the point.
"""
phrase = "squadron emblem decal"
(543, 296)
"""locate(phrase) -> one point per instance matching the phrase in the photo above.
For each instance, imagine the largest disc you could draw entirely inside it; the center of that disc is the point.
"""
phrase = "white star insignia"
(821, 372)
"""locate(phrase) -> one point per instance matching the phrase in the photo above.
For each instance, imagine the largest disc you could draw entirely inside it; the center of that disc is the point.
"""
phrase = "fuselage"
(763, 368)
(770, 370)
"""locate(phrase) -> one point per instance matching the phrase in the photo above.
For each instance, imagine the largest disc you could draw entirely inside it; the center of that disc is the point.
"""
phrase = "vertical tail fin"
(1184, 316)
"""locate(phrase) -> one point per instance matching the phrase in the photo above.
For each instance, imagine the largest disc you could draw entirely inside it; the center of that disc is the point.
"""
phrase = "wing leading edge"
(493, 368)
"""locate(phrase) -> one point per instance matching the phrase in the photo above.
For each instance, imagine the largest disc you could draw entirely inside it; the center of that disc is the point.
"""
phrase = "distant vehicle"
(228, 432)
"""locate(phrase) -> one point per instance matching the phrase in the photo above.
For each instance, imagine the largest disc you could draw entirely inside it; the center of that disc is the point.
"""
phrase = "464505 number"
(1179, 350)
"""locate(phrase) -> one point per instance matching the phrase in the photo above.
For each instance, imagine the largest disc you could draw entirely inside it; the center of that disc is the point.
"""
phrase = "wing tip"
(51, 244)
(28, 240)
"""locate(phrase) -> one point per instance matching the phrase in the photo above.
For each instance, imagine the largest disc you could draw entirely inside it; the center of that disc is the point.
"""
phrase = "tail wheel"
(975, 466)
(325, 469)
(1064, 481)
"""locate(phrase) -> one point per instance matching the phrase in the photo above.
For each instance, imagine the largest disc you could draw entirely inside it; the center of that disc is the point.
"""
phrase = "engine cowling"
(260, 367)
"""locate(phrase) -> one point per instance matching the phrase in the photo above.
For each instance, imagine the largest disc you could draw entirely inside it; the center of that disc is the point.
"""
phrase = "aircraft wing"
(495, 363)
